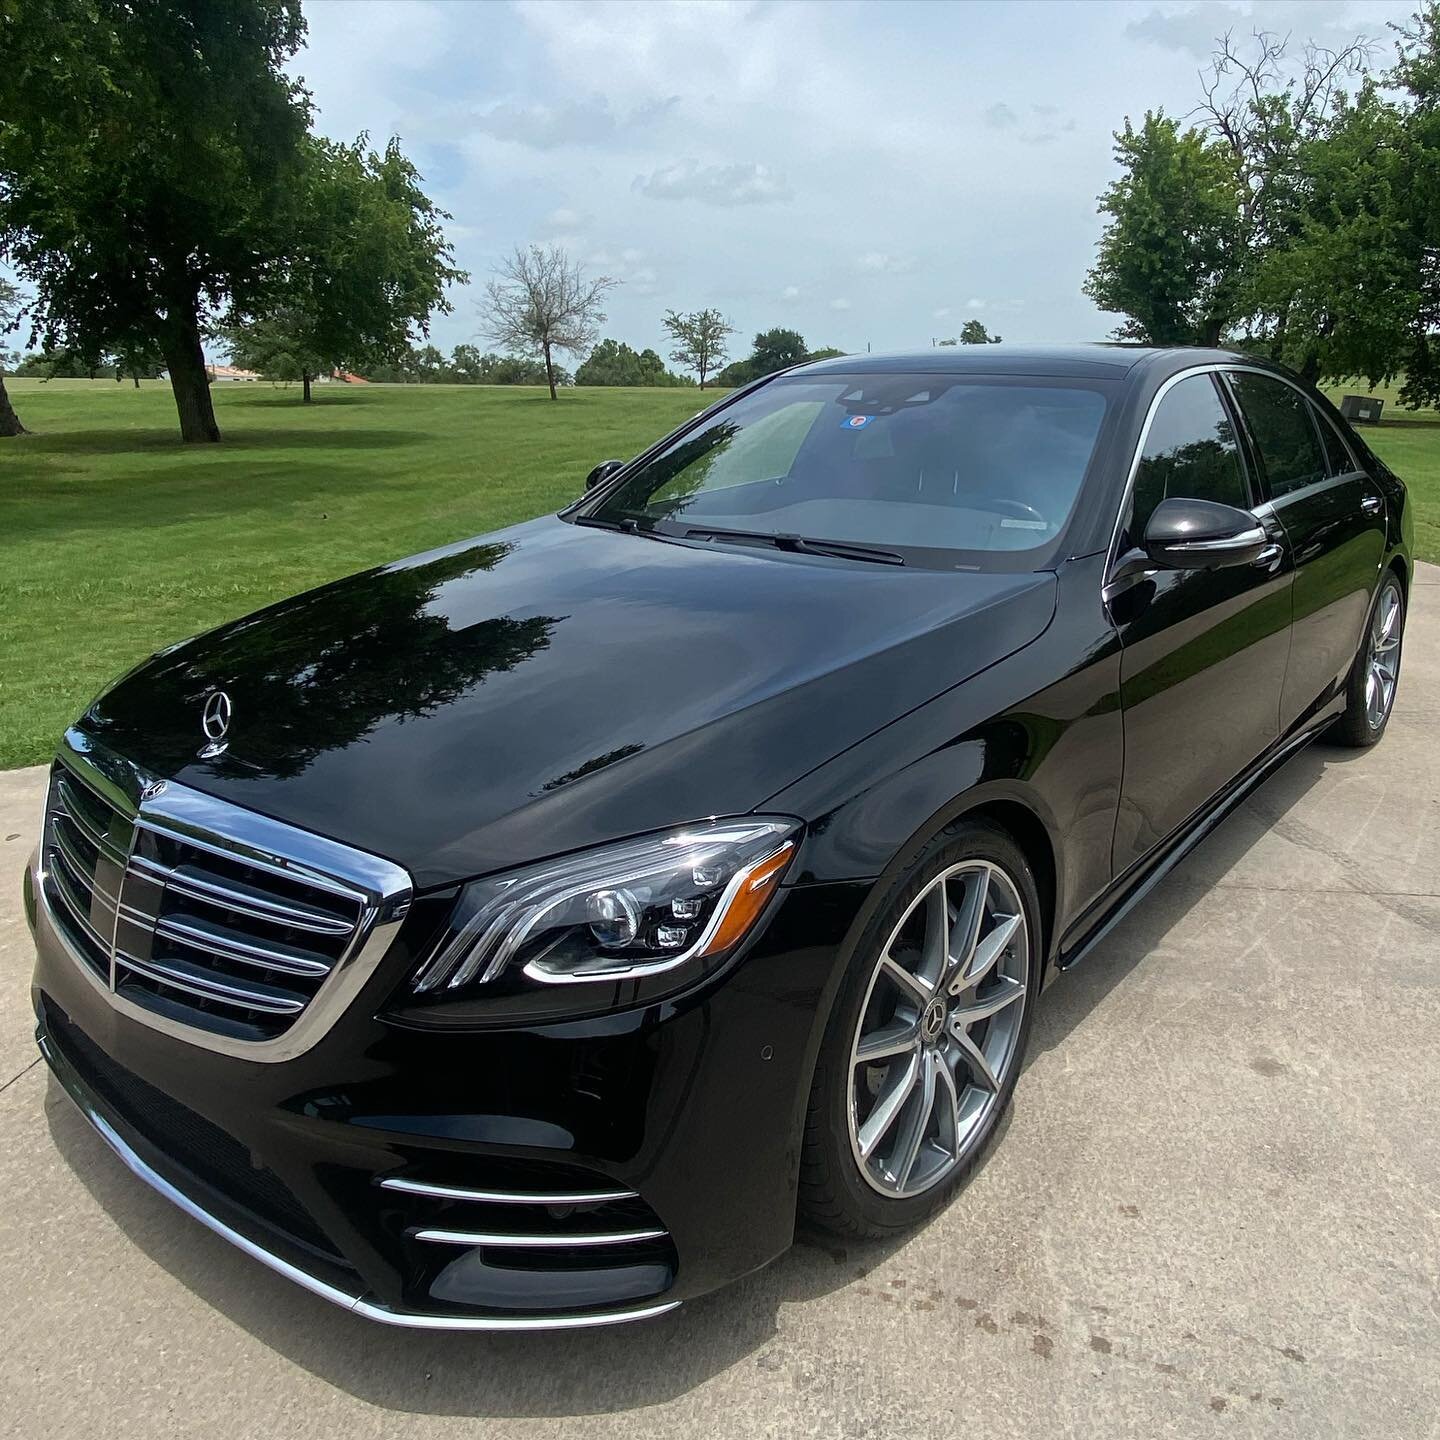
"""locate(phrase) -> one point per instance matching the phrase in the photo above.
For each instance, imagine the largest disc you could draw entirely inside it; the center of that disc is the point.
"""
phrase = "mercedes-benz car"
(526, 933)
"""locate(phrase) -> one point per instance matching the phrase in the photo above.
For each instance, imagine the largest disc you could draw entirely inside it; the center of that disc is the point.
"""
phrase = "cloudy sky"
(866, 173)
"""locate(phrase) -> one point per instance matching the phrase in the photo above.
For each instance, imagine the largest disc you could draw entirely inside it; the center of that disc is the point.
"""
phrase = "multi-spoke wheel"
(1371, 691)
(923, 1050)
(1383, 667)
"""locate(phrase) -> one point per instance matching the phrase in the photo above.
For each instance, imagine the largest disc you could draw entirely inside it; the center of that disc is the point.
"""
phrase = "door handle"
(1372, 504)
(1269, 558)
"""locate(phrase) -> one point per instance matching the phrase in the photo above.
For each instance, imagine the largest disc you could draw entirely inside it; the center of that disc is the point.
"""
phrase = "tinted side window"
(1336, 454)
(1190, 453)
(1280, 425)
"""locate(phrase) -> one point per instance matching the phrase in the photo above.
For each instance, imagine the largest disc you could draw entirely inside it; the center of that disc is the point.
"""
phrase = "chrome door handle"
(1371, 504)
(1269, 558)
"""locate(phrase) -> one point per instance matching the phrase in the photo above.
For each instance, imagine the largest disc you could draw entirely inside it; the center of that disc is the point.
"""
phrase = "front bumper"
(477, 1180)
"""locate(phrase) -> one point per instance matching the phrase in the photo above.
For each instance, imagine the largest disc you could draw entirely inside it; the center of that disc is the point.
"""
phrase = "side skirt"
(1132, 887)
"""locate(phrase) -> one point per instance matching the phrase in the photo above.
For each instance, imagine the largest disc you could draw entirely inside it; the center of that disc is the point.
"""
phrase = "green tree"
(466, 365)
(9, 318)
(612, 362)
(368, 264)
(1173, 240)
(699, 339)
(972, 332)
(150, 159)
(1208, 224)
(772, 351)
(777, 349)
(1417, 75)
(274, 347)
(540, 302)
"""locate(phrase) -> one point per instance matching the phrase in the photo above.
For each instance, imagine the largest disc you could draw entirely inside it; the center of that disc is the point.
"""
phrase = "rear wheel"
(1370, 692)
(924, 1046)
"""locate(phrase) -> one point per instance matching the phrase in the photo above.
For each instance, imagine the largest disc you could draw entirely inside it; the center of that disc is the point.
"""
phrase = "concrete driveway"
(1216, 1209)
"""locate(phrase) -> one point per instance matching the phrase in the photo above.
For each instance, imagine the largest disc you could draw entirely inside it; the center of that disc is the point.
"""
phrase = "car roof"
(1094, 359)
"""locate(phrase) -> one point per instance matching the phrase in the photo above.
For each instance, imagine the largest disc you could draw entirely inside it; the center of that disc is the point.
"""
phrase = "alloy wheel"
(1383, 659)
(939, 1029)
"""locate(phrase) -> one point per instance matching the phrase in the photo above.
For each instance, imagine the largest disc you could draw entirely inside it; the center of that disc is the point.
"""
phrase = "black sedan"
(523, 934)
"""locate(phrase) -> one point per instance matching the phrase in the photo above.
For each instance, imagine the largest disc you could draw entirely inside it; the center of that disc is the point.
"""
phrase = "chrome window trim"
(357, 1304)
(381, 888)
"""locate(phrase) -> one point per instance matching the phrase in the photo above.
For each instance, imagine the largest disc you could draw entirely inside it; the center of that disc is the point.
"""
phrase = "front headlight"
(618, 912)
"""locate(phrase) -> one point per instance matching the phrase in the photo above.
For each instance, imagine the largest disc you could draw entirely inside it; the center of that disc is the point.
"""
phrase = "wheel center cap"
(932, 1022)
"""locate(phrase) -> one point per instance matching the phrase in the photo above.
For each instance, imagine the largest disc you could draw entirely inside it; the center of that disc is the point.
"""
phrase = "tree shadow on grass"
(41, 448)
(62, 500)
(290, 399)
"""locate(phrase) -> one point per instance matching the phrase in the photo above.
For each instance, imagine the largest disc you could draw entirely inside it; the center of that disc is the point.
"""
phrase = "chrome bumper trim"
(505, 1197)
(356, 1304)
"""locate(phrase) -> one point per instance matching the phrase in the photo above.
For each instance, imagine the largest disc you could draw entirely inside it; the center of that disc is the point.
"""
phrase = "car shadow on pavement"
(573, 1373)
(1072, 996)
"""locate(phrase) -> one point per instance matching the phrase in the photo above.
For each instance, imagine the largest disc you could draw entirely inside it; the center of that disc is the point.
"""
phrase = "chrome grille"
(206, 917)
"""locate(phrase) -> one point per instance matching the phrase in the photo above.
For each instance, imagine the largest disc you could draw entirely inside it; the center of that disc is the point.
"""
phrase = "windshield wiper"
(627, 526)
(799, 544)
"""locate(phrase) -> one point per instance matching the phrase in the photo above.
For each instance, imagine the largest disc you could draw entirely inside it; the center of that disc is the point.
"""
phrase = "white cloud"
(831, 113)
(579, 122)
(840, 303)
(943, 313)
(741, 184)
(974, 304)
(877, 262)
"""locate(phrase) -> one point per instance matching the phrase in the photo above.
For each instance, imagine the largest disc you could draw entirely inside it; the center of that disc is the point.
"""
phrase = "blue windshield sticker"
(858, 422)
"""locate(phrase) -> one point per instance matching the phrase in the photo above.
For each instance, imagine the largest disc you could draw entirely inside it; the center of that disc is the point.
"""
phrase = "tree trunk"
(188, 380)
(305, 383)
(136, 378)
(550, 371)
(9, 420)
(1310, 367)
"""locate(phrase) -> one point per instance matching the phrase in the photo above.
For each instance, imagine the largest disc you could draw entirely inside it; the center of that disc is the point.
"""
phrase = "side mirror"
(602, 472)
(1203, 535)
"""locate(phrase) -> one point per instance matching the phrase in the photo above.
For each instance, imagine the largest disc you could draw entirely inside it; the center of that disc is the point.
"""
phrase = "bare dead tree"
(1263, 103)
(540, 302)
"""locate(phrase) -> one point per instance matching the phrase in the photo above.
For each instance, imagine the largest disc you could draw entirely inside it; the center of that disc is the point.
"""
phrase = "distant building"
(346, 378)
(230, 372)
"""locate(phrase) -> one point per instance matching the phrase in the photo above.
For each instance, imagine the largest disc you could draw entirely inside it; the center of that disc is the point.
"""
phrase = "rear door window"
(1280, 425)
(1337, 454)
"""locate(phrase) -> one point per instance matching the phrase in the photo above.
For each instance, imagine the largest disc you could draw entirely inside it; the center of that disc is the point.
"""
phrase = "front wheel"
(1370, 691)
(924, 1045)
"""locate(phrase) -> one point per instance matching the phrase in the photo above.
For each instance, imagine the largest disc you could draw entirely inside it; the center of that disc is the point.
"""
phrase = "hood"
(554, 686)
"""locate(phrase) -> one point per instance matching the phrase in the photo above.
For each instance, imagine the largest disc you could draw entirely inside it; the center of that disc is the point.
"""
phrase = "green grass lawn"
(115, 539)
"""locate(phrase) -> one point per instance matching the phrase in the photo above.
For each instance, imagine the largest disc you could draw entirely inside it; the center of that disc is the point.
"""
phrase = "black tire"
(834, 1195)
(1356, 725)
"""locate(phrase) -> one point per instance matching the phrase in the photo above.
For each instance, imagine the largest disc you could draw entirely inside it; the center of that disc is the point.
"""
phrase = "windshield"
(916, 465)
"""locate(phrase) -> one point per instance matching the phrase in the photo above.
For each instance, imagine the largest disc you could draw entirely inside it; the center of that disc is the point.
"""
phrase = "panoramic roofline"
(1096, 358)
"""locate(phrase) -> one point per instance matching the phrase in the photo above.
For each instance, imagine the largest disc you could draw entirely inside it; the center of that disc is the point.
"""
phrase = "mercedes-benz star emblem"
(215, 718)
